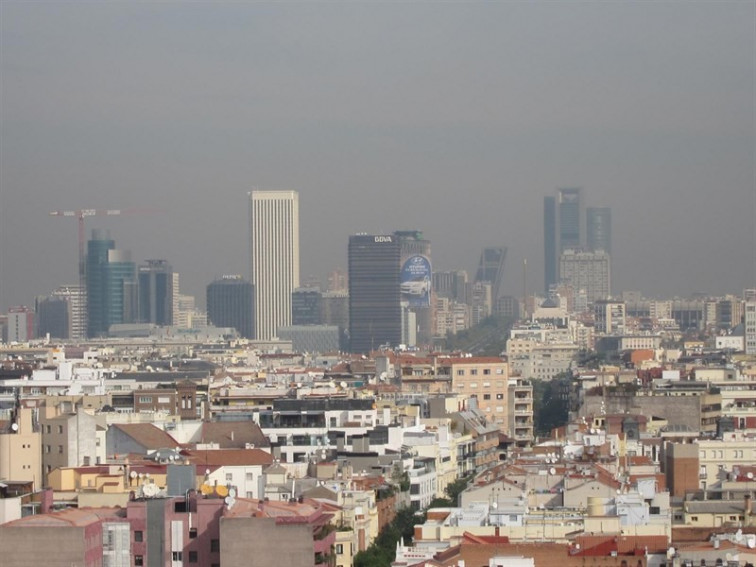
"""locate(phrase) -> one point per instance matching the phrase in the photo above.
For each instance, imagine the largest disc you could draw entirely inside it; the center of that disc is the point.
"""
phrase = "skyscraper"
(491, 269)
(415, 286)
(156, 293)
(375, 316)
(550, 254)
(599, 229)
(230, 303)
(77, 317)
(111, 285)
(569, 219)
(274, 220)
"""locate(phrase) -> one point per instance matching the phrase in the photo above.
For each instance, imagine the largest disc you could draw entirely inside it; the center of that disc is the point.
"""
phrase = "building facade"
(230, 303)
(156, 293)
(599, 229)
(375, 316)
(589, 271)
(274, 220)
(111, 285)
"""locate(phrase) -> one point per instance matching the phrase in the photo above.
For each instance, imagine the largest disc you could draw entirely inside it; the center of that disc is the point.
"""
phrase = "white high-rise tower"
(274, 220)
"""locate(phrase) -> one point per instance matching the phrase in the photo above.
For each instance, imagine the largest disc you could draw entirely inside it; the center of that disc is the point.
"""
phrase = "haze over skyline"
(453, 119)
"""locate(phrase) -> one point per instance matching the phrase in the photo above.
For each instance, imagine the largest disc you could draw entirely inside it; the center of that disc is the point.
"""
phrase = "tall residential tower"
(274, 221)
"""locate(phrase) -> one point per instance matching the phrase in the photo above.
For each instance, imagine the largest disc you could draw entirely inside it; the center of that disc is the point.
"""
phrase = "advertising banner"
(416, 281)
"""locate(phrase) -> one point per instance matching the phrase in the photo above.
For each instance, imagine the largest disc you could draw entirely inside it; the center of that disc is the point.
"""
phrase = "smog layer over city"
(454, 119)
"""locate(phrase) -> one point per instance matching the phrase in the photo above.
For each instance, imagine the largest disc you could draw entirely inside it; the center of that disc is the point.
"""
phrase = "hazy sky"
(452, 118)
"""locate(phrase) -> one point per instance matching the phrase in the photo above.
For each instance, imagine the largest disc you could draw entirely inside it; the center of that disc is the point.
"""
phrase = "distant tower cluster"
(390, 288)
(111, 285)
(573, 256)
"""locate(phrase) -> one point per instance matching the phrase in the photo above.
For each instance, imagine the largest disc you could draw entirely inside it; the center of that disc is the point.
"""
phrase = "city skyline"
(454, 119)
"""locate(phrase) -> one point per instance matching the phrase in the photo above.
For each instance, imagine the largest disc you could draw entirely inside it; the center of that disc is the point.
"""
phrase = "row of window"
(474, 371)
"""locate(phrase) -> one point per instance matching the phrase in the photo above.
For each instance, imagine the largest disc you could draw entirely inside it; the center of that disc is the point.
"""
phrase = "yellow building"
(21, 448)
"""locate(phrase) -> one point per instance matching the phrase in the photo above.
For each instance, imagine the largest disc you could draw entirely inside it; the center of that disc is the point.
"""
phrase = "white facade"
(750, 327)
(274, 219)
(588, 271)
(77, 309)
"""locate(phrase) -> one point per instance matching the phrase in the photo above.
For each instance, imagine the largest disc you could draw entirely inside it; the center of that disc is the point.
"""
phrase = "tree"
(551, 403)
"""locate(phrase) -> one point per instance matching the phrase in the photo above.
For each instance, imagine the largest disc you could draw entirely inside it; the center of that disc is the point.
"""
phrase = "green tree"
(551, 403)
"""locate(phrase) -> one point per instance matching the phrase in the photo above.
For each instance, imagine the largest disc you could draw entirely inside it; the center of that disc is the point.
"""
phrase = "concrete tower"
(274, 221)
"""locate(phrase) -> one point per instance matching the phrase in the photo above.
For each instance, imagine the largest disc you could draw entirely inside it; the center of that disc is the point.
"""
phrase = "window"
(486, 396)
(192, 533)
(474, 372)
(60, 429)
(229, 477)
(48, 429)
(138, 560)
(250, 476)
(138, 536)
(499, 371)
(499, 396)
(339, 549)
(473, 384)
(193, 557)
(60, 448)
(47, 449)
(178, 556)
(486, 371)
(214, 545)
(145, 399)
(460, 372)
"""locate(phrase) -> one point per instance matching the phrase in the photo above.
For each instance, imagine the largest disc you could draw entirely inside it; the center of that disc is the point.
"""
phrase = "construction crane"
(81, 214)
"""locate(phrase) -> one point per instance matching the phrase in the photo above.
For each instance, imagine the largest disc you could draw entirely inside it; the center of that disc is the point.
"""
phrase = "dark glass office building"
(569, 219)
(306, 306)
(230, 303)
(156, 293)
(375, 316)
(599, 229)
(550, 254)
(111, 285)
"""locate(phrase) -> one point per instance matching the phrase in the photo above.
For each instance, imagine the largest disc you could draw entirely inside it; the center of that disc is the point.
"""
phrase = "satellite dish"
(133, 474)
(343, 384)
(494, 505)
(749, 475)
(206, 489)
(232, 493)
(14, 426)
(552, 470)
(150, 490)
(221, 490)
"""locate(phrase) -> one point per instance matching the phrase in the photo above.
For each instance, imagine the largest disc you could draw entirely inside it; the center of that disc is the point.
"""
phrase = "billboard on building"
(415, 281)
